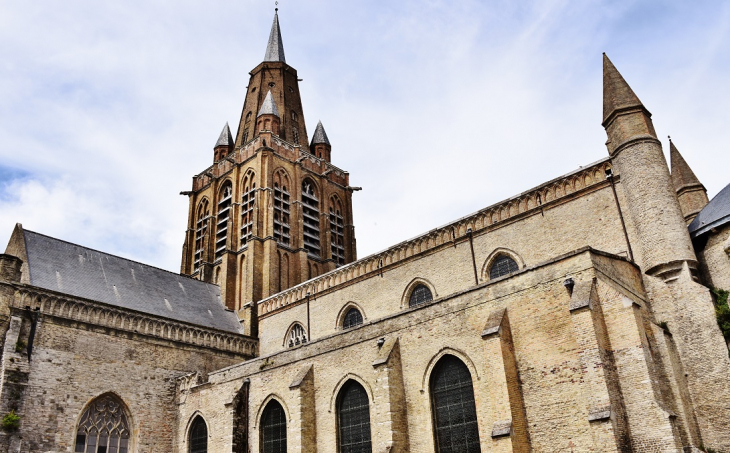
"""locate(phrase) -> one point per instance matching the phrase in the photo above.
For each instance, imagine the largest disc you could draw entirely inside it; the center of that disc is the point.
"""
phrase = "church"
(578, 315)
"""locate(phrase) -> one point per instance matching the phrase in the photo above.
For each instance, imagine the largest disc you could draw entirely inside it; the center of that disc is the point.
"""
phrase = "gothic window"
(453, 407)
(296, 336)
(245, 138)
(273, 428)
(248, 199)
(103, 427)
(337, 232)
(295, 132)
(310, 214)
(248, 116)
(294, 116)
(353, 318)
(353, 419)
(282, 206)
(201, 231)
(420, 295)
(503, 265)
(198, 440)
(224, 212)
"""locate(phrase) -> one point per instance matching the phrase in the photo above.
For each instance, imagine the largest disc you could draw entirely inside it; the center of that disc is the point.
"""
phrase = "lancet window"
(103, 427)
(282, 207)
(248, 198)
(337, 232)
(296, 336)
(454, 410)
(310, 214)
(420, 295)
(273, 428)
(201, 232)
(353, 419)
(198, 440)
(224, 213)
(503, 265)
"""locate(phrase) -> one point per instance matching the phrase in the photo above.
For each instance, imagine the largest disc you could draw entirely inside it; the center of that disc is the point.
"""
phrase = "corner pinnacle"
(682, 174)
(225, 139)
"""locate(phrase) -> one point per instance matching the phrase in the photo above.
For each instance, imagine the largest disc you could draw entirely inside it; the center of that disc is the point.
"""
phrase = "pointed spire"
(617, 94)
(225, 139)
(682, 175)
(269, 106)
(320, 136)
(275, 47)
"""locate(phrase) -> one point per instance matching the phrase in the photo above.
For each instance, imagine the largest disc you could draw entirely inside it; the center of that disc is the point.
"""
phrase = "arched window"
(453, 407)
(353, 318)
(503, 265)
(248, 117)
(201, 231)
(248, 198)
(337, 232)
(198, 440)
(282, 206)
(273, 428)
(296, 336)
(103, 427)
(310, 211)
(353, 419)
(224, 212)
(420, 295)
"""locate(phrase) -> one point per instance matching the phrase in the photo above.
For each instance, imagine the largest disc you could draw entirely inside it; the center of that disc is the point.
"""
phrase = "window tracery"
(502, 265)
(103, 427)
(297, 335)
(353, 318)
(420, 295)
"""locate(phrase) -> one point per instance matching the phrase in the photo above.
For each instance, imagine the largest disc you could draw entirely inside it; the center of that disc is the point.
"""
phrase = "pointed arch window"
(502, 265)
(201, 231)
(353, 419)
(198, 437)
(248, 199)
(296, 336)
(337, 232)
(420, 295)
(353, 318)
(282, 209)
(273, 428)
(310, 214)
(224, 212)
(453, 407)
(103, 427)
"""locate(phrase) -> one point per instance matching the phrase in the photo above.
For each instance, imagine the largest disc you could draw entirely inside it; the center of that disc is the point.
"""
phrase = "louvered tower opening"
(337, 233)
(224, 212)
(282, 204)
(201, 232)
(310, 214)
(247, 204)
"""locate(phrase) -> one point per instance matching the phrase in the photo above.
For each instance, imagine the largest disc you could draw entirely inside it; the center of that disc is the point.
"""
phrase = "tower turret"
(224, 145)
(268, 118)
(691, 194)
(320, 145)
(664, 243)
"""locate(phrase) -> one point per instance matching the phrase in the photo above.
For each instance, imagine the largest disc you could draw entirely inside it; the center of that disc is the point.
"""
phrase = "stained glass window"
(454, 410)
(103, 427)
(198, 436)
(273, 428)
(353, 318)
(353, 417)
(420, 295)
(503, 265)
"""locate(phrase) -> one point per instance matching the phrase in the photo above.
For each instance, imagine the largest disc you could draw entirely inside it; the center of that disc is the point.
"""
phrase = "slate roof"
(79, 271)
(225, 139)
(275, 47)
(320, 136)
(269, 106)
(715, 214)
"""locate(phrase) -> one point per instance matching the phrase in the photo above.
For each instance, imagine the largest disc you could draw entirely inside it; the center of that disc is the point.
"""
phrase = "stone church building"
(575, 316)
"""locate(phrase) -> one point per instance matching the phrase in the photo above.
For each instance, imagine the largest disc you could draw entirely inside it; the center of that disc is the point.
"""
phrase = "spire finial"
(275, 46)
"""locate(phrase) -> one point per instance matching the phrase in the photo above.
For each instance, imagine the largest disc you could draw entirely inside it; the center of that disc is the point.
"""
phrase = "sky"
(436, 108)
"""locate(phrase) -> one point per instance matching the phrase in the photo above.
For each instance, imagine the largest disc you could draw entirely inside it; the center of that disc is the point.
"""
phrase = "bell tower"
(272, 211)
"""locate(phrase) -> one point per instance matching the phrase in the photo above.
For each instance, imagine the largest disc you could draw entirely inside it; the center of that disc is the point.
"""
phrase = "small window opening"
(503, 265)
(353, 318)
(297, 336)
(420, 295)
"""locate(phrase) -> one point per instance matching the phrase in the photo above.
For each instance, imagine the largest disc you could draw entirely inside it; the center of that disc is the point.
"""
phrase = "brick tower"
(272, 211)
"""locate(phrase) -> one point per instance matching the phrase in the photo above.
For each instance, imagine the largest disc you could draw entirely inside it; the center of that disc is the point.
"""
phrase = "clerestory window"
(503, 265)
(420, 295)
(224, 212)
(103, 427)
(353, 318)
(296, 336)
(310, 214)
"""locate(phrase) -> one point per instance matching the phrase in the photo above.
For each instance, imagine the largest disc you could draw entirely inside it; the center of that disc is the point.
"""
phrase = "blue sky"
(437, 108)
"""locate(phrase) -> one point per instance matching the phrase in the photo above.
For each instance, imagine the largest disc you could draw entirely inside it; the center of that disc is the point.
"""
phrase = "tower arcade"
(272, 211)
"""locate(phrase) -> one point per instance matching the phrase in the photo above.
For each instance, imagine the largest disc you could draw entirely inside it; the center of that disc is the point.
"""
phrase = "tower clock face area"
(272, 211)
